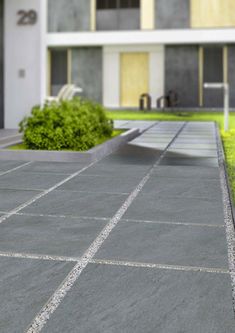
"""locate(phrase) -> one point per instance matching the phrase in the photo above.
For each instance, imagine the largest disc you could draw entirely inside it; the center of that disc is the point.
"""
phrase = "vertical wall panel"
(231, 73)
(111, 83)
(118, 19)
(212, 13)
(87, 71)
(156, 74)
(69, 15)
(181, 73)
(213, 72)
(172, 14)
(147, 14)
(1, 65)
(134, 78)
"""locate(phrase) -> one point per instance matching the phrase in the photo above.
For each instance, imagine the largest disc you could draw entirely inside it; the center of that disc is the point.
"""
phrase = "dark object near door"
(145, 102)
(171, 100)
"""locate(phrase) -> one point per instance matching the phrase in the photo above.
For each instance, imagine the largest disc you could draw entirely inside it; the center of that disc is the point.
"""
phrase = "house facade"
(115, 50)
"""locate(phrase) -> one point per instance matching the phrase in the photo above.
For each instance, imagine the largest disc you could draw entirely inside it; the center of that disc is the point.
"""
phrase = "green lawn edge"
(228, 138)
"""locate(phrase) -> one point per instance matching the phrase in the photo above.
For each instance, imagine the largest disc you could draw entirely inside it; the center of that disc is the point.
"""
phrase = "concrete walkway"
(135, 243)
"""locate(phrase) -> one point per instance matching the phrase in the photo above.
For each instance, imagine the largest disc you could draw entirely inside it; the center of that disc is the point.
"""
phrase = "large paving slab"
(25, 286)
(170, 244)
(136, 300)
(108, 184)
(59, 236)
(11, 198)
(179, 209)
(81, 204)
(25, 180)
(53, 167)
(8, 165)
(183, 188)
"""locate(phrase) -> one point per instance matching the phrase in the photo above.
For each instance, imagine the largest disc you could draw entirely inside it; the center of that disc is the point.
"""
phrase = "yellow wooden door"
(134, 78)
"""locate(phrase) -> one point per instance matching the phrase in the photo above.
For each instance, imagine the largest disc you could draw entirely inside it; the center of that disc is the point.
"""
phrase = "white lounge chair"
(67, 92)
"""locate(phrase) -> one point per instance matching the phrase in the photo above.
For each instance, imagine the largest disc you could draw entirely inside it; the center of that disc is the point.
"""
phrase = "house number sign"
(27, 17)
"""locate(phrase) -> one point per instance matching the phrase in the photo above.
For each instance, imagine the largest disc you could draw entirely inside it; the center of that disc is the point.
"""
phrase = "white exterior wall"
(25, 49)
(112, 72)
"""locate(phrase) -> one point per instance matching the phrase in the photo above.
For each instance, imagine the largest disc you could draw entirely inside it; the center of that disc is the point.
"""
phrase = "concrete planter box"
(91, 155)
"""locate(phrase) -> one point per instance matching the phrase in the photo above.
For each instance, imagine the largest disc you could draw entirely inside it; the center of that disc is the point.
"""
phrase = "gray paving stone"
(191, 161)
(194, 146)
(25, 286)
(54, 167)
(154, 208)
(158, 146)
(10, 199)
(105, 169)
(167, 244)
(184, 188)
(174, 152)
(23, 180)
(102, 184)
(192, 172)
(48, 235)
(194, 141)
(77, 204)
(133, 155)
(120, 299)
(8, 165)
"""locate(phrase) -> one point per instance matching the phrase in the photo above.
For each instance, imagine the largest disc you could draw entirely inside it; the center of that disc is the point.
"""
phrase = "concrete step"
(10, 140)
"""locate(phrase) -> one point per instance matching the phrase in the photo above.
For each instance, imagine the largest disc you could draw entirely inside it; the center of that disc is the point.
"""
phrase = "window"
(59, 68)
(107, 4)
(116, 4)
(129, 4)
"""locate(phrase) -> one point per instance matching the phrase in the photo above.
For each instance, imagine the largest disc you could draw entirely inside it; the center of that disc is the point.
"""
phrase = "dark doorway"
(213, 72)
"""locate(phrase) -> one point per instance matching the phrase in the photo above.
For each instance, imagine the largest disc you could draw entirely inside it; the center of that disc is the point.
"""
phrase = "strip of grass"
(22, 146)
(227, 138)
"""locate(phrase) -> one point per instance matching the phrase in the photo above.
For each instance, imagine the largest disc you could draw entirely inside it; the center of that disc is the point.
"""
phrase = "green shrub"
(73, 125)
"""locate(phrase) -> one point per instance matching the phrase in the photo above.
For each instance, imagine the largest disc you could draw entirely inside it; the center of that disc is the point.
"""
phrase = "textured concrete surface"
(133, 243)
(25, 285)
(49, 235)
(87, 71)
(118, 19)
(172, 14)
(79, 204)
(68, 15)
(121, 299)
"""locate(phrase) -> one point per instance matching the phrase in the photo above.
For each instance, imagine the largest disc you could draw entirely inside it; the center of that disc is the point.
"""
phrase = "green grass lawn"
(227, 138)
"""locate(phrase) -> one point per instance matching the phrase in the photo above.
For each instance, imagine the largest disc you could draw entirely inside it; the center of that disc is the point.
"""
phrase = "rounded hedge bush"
(68, 125)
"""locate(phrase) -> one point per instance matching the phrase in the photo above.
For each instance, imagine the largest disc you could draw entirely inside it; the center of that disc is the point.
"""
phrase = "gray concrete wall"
(68, 15)
(172, 14)
(1, 65)
(118, 19)
(181, 73)
(231, 73)
(87, 71)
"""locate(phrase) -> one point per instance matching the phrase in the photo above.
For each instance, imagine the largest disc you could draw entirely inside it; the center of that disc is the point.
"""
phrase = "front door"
(134, 78)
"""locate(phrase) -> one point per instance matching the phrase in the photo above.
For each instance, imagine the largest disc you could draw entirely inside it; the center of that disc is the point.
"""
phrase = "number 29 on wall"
(27, 17)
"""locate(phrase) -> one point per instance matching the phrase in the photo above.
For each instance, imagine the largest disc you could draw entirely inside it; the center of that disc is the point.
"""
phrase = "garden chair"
(67, 92)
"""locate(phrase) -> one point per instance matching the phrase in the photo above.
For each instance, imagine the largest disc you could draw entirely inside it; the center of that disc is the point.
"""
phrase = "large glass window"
(59, 70)
(118, 14)
(115, 4)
